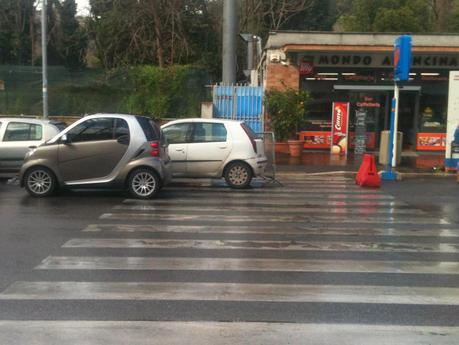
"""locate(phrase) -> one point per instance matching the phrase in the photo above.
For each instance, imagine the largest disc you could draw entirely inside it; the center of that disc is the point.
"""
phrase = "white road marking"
(275, 218)
(357, 230)
(239, 264)
(263, 245)
(293, 190)
(294, 202)
(218, 333)
(230, 292)
(176, 207)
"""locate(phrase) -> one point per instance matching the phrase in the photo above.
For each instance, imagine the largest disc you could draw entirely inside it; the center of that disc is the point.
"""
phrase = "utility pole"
(229, 42)
(44, 58)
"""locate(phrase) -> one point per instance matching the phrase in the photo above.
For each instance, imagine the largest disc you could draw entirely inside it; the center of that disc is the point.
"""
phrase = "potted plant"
(287, 113)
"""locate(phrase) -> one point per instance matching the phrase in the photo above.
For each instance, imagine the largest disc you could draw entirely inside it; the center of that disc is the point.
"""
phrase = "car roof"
(200, 119)
(26, 120)
(119, 116)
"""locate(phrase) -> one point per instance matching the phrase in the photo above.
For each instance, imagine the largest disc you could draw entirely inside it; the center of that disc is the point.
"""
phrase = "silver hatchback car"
(20, 134)
(103, 150)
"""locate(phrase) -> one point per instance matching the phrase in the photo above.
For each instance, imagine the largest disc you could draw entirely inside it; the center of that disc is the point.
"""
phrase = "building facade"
(358, 68)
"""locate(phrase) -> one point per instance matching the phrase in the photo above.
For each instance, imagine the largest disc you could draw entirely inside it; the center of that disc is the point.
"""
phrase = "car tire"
(143, 183)
(238, 175)
(40, 182)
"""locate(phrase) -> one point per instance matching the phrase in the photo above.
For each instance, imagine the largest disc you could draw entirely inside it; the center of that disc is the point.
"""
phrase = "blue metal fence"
(243, 103)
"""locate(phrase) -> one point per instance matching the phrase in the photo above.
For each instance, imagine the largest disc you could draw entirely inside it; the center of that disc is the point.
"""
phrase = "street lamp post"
(44, 59)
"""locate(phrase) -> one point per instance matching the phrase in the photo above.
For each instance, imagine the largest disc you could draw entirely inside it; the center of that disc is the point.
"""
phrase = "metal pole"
(394, 148)
(44, 58)
(229, 42)
(250, 53)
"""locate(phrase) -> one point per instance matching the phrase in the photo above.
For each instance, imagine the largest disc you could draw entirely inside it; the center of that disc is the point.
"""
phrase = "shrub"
(287, 112)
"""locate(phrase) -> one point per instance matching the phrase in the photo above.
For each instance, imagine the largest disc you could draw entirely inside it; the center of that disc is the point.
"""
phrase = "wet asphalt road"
(376, 266)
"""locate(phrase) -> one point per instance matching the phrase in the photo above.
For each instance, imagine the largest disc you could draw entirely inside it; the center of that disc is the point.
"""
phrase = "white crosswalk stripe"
(231, 264)
(355, 230)
(232, 292)
(262, 245)
(207, 228)
(299, 217)
(222, 333)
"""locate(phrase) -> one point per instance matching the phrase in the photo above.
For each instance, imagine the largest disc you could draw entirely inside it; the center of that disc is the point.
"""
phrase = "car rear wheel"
(143, 183)
(40, 182)
(238, 175)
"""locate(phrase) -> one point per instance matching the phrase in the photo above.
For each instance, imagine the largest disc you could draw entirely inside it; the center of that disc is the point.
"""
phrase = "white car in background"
(18, 135)
(215, 148)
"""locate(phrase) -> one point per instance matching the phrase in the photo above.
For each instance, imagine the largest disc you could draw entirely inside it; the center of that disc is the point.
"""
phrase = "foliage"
(73, 40)
(261, 16)
(165, 92)
(162, 32)
(170, 92)
(388, 15)
(16, 26)
(319, 16)
(20, 33)
(287, 111)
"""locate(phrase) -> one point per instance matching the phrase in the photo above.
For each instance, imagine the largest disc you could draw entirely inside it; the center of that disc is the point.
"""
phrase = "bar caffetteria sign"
(378, 60)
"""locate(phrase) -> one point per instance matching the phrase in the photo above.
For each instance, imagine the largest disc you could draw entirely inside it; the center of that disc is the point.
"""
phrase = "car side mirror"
(64, 139)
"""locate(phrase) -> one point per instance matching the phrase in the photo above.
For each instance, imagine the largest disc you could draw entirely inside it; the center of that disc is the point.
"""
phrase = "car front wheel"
(238, 175)
(40, 182)
(143, 183)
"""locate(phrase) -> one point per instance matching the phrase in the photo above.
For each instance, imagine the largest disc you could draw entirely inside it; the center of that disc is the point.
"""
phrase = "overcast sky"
(83, 7)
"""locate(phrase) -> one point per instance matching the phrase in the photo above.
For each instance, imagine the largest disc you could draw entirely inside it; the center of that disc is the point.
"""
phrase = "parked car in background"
(103, 150)
(19, 135)
(215, 148)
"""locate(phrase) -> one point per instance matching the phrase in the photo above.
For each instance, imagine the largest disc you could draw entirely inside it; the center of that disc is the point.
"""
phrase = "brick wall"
(281, 77)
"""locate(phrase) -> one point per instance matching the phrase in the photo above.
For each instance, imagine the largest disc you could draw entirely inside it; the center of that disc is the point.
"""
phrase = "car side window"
(178, 133)
(209, 132)
(19, 131)
(121, 129)
(93, 130)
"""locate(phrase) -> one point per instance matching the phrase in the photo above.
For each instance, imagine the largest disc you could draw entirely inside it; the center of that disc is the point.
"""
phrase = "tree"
(319, 16)
(161, 32)
(73, 40)
(16, 31)
(261, 16)
(386, 15)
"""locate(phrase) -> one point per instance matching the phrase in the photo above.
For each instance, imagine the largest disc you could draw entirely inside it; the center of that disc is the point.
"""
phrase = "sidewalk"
(323, 161)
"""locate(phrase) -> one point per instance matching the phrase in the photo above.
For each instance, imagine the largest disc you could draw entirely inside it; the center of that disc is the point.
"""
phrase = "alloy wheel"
(144, 184)
(40, 182)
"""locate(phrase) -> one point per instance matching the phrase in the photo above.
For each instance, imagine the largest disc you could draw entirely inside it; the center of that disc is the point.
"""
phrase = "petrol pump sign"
(402, 58)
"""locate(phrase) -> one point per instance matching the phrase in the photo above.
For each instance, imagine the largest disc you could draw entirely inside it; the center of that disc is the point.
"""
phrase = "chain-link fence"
(94, 90)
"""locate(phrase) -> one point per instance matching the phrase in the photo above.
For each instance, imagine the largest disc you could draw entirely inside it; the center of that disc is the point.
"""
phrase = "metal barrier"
(239, 102)
(269, 141)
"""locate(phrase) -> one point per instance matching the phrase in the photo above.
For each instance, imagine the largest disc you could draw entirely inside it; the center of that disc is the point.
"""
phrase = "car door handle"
(180, 150)
(222, 147)
(32, 147)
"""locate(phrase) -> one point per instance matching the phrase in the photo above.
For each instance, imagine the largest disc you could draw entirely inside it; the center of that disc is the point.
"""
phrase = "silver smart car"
(103, 150)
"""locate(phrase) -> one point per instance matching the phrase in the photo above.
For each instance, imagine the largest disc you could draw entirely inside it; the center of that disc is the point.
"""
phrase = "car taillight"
(155, 152)
(251, 138)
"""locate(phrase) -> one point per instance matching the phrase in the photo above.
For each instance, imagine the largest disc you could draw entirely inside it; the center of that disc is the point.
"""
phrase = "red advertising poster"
(340, 128)
(431, 142)
(322, 139)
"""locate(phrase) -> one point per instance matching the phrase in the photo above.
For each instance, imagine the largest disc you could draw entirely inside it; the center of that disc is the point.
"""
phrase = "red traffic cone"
(367, 176)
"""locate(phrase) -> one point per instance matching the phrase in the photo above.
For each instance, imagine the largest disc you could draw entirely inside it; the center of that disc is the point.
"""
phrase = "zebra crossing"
(317, 261)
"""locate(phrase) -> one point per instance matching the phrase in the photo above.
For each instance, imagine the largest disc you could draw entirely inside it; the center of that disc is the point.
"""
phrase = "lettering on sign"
(379, 60)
